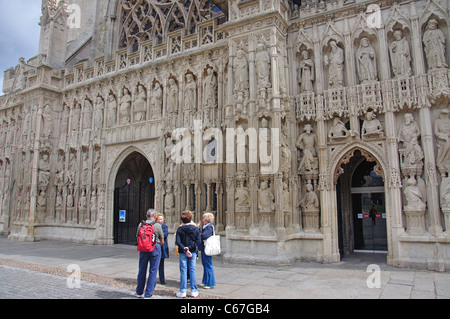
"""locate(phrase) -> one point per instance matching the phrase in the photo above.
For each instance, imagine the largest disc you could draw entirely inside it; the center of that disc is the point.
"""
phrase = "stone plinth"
(415, 220)
(311, 220)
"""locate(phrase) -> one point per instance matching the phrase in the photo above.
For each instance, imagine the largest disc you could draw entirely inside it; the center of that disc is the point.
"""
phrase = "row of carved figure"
(266, 198)
(366, 59)
(119, 110)
(408, 139)
(410, 150)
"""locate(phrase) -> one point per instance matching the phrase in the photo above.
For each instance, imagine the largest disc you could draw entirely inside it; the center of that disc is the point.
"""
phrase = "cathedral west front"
(310, 129)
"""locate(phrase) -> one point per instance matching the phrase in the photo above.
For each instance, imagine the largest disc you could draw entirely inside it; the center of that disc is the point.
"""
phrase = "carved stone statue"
(96, 167)
(140, 105)
(413, 154)
(82, 202)
(98, 113)
(408, 130)
(262, 63)
(112, 111)
(306, 73)
(434, 45)
(87, 115)
(85, 169)
(168, 153)
(310, 201)
(371, 127)
(48, 120)
(265, 198)
(400, 55)
(307, 142)
(285, 160)
(125, 107)
(41, 200)
(240, 71)
(172, 98)
(242, 198)
(445, 193)
(44, 171)
(338, 130)
(60, 171)
(70, 200)
(169, 200)
(190, 93)
(414, 197)
(335, 63)
(366, 61)
(408, 138)
(209, 88)
(442, 133)
(156, 101)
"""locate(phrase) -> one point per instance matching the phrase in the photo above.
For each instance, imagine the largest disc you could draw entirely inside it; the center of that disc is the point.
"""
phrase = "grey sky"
(19, 32)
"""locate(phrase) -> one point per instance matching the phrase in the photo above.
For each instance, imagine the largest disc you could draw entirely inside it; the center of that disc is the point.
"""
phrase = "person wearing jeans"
(188, 240)
(208, 280)
(153, 258)
(144, 258)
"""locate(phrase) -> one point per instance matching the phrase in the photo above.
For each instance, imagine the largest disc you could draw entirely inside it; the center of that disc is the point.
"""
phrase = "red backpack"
(146, 238)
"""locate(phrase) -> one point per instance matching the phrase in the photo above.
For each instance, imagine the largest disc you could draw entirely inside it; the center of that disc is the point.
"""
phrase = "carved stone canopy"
(353, 156)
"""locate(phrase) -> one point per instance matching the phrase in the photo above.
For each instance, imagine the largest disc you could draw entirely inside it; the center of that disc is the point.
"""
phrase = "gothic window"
(141, 20)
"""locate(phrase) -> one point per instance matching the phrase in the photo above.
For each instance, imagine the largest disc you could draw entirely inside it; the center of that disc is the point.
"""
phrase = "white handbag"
(212, 245)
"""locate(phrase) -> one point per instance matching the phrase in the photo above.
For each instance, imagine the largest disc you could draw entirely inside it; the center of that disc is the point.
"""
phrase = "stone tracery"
(143, 20)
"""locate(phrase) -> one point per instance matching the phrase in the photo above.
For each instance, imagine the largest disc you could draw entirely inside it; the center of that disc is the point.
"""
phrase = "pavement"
(109, 272)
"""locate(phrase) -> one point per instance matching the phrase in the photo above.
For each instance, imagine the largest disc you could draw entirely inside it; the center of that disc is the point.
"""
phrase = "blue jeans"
(144, 258)
(208, 271)
(186, 262)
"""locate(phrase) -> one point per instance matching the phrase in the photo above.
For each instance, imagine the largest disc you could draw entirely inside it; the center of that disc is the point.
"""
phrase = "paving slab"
(302, 280)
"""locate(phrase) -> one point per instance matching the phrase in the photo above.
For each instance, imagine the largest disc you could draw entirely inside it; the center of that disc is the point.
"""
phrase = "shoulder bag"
(212, 244)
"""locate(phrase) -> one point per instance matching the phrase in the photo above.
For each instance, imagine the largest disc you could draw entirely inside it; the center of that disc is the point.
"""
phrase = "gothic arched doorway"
(361, 206)
(134, 194)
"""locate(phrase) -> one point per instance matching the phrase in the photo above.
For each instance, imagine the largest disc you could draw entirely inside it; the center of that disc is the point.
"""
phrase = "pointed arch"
(432, 9)
(343, 155)
(331, 34)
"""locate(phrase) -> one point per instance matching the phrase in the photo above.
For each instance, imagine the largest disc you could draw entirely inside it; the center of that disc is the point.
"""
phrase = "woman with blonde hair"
(208, 271)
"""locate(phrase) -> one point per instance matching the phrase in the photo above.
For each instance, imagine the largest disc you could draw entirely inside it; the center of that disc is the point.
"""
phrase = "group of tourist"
(189, 243)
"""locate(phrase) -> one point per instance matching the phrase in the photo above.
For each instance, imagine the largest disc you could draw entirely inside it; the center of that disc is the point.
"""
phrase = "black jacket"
(188, 235)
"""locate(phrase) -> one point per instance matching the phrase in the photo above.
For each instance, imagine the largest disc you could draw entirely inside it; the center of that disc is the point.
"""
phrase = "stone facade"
(317, 85)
